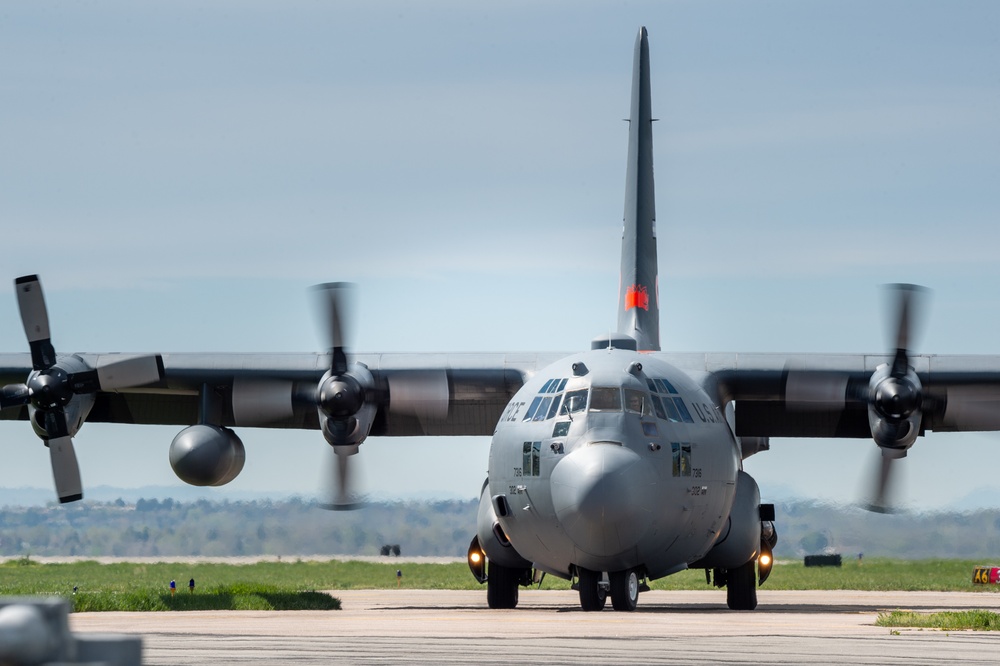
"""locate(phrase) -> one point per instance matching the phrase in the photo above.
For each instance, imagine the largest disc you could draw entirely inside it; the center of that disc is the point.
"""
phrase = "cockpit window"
(636, 402)
(606, 399)
(671, 409)
(665, 386)
(575, 401)
(682, 408)
(658, 407)
(554, 409)
(543, 409)
(532, 408)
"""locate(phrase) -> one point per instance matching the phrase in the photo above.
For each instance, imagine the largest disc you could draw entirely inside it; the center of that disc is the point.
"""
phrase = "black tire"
(592, 595)
(741, 587)
(501, 586)
(624, 590)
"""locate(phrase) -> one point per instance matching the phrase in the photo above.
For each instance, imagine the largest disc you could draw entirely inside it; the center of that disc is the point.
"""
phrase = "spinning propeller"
(895, 397)
(892, 395)
(343, 395)
(52, 385)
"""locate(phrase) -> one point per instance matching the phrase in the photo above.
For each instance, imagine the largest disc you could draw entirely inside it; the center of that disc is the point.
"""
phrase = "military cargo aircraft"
(612, 467)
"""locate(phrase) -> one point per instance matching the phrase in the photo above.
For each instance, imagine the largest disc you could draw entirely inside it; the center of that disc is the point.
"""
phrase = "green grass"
(220, 597)
(294, 584)
(145, 587)
(979, 620)
(876, 574)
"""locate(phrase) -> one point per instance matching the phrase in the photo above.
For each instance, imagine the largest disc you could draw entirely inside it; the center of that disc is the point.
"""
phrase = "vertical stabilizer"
(638, 293)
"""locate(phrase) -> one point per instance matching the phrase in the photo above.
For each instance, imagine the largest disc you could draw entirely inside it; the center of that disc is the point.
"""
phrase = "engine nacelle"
(751, 445)
(492, 538)
(740, 539)
(207, 455)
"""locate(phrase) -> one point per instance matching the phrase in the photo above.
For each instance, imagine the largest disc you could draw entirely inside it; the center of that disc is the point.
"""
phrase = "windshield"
(574, 402)
(606, 399)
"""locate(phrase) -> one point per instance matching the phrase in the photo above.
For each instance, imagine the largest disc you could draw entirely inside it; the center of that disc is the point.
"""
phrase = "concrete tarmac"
(455, 627)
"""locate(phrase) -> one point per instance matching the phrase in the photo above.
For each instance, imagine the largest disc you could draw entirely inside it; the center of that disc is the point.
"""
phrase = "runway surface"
(435, 626)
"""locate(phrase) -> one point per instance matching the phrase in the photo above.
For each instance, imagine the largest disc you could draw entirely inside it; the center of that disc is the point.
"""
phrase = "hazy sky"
(180, 173)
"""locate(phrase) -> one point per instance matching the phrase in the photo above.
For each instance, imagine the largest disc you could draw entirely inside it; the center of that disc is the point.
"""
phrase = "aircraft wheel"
(624, 590)
(741, 587)
(592, 595)
(501, 586)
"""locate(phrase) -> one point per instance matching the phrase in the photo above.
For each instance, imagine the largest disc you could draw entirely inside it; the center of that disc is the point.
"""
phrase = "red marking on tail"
(637, 296)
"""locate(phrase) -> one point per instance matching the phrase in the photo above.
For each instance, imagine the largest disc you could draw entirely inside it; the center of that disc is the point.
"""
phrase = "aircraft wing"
(826, 395)
(775, 395)
(417, 394)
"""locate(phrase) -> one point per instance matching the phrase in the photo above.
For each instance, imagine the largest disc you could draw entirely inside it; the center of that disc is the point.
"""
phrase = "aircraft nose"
(603, 495)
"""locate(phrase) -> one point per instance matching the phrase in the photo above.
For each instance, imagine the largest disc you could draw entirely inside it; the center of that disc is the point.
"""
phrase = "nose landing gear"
(623, 586)
(624, 589)
(593, 589)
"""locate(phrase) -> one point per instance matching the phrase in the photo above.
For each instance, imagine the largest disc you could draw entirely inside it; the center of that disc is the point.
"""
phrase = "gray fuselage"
(612, 460)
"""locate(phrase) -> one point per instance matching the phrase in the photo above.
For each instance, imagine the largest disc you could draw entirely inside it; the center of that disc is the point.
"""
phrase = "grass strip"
(246, 596)
(978, 620)
(290, 583)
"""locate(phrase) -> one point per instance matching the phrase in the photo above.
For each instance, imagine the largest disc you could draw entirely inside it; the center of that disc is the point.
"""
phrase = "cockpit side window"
(665, 386)
(543, 409)
(658, 406)
(636, 402)
(554, 408)
(532, 408)
(671, 409)
(606, 399)
(575, 401)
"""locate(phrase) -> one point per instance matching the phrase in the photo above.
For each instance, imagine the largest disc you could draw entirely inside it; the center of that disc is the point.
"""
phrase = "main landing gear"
(502, 584)
(623, 586)
(741, 586)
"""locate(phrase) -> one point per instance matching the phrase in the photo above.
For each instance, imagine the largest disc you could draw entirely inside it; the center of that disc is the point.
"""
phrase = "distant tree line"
(291, 527)
(444, 528)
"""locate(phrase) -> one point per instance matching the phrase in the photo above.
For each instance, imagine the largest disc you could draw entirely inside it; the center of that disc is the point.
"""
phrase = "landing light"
(764, 562)
(477, 560)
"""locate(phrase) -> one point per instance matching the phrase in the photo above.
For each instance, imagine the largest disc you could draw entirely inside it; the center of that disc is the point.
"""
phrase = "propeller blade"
(130, 372)
(342, 499)
(881, 496)
(65, 469)
(127, 372)
(335, 307)
(908, 309)
(903, 294)
(35, 317)
(14, 395)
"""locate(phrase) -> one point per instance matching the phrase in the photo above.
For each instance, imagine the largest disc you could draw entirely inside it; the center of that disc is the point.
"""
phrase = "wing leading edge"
(824, 395)
(417, 394)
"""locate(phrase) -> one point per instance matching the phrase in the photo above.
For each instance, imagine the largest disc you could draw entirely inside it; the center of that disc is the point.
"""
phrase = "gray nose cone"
(604, 498)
